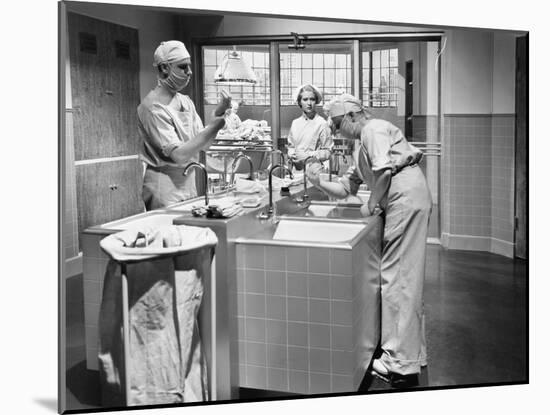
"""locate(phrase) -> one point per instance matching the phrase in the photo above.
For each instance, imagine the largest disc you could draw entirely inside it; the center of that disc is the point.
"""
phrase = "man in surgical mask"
(389, 165)
(171, 132)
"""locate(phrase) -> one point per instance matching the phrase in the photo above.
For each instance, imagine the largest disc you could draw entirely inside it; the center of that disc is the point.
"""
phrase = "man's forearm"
(382, 181)
(186, 151)
(333, 189)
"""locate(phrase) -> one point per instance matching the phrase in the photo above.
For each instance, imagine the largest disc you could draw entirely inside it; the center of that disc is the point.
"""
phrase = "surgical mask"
(175, 81)
(350, 129)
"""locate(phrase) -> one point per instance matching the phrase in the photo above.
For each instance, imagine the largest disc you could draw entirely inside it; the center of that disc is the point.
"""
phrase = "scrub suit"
(407, 208)
(162, 128)
(312, 137)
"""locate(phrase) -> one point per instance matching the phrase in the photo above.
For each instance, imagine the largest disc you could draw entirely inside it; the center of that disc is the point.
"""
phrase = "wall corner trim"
(73, 266)
(478, 243)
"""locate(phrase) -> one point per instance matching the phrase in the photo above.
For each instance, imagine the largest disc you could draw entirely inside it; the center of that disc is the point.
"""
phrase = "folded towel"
(139, 244)
(218, 201)
(226, 212)
(251, 202)
(222, 208)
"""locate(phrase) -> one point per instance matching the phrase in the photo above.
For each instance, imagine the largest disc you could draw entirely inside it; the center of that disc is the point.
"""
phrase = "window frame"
(369, 103)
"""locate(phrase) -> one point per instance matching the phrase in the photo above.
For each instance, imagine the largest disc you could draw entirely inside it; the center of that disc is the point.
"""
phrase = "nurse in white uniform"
(171, 131)
(309, 134)
(389, 164)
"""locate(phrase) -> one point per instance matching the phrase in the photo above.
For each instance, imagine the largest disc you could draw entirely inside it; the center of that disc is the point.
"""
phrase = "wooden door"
(93, 195)
(108, 191)
(521, 146)
(105, 87)
(126, 177)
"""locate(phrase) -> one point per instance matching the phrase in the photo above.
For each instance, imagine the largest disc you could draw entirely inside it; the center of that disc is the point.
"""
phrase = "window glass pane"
(384, 58)
(320, 66)
(393, 57)
(376, 78)
(384, 76)
(340, 61)
(209, 73)
(209, 57)
(307, 76)
(384, 72)
(393, 77)
(297, 63)
(330, 78)
(298, 78)
(376, 59)
(318, 77)
(283, 61)
(341, 77)
(318, 60)
(259, 59)
(366, 60)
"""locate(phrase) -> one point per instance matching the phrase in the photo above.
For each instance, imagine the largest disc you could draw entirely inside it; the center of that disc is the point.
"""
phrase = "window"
(327, 66)
(380, 70)
(256, 56)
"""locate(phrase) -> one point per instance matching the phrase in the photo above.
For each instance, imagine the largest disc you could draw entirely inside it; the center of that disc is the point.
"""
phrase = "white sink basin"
(320, 210)
(150, 221)
(316, 231)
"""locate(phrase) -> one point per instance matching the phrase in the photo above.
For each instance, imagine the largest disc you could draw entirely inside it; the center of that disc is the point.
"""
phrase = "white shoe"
(380, 370)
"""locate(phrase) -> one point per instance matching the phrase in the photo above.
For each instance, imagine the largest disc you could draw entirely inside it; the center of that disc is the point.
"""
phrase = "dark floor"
(476, 327)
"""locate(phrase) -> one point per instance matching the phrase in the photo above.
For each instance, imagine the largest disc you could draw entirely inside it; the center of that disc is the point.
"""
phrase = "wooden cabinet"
(104, 65)
(108, 191)
(104, 71)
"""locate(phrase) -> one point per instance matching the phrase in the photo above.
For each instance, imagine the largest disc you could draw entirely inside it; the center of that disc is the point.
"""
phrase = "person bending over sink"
(171, 131)
(389, 165)
(309, 134)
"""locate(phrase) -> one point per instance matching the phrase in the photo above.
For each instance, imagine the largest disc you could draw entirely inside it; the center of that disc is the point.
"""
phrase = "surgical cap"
(169, 52)
(343, 104)
(318, 95)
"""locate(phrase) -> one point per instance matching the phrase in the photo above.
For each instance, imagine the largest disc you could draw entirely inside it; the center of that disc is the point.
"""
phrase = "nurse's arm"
(333, 189)
(382, 181)
(183, 153)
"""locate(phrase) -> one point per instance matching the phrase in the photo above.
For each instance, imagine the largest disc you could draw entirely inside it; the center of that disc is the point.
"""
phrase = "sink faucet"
(281, 160)
(305, 195)
(250, 165)
(201, 167)
(330, 167)
(265, 215)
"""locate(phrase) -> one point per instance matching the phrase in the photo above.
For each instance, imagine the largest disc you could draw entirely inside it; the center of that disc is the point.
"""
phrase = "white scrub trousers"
(407, 210)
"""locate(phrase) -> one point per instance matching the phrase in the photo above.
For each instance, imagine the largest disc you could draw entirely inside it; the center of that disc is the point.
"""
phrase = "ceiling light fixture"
(234, 70)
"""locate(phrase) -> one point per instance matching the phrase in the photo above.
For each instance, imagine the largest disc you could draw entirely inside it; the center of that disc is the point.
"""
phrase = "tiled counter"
(307, 316)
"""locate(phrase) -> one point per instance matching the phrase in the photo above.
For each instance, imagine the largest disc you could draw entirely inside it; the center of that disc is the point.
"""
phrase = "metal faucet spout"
(199, 166)
(270, 210)
(250, 165)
